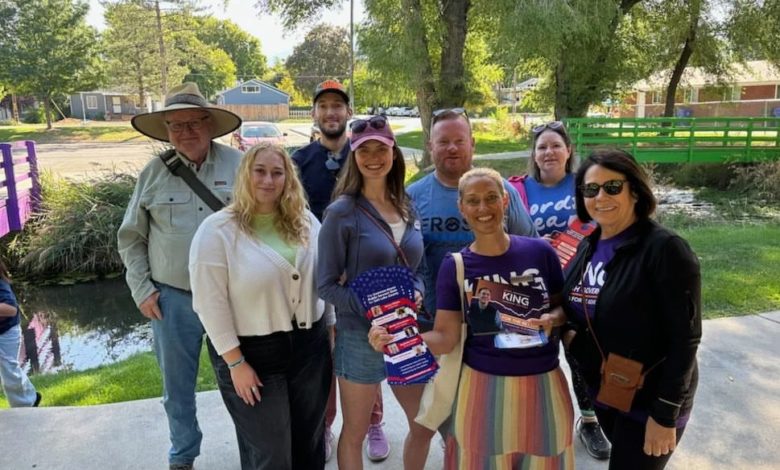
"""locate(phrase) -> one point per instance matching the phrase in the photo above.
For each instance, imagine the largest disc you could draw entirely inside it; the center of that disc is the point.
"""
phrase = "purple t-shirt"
(592, 279)
(525, 257)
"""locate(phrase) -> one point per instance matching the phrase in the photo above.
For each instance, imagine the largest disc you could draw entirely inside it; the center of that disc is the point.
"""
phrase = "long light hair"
(350, 182)
(290, 217)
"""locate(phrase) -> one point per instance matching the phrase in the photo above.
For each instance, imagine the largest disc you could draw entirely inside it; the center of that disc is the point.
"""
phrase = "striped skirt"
(504, 422)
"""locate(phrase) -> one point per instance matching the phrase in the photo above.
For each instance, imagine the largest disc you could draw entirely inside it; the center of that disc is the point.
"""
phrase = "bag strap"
(593, 331)
(387, 234)
(177, 168)
(460, 275)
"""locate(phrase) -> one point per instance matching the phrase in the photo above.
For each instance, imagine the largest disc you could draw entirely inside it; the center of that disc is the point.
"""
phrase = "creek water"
(81, 326)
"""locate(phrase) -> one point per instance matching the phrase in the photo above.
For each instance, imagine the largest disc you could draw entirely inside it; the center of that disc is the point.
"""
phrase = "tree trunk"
(14, 108)
(452, 89)
(682, 61)
(47, 111)
(423, 72)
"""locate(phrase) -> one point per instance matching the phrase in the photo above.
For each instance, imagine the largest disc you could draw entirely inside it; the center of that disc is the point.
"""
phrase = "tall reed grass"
(74, 233)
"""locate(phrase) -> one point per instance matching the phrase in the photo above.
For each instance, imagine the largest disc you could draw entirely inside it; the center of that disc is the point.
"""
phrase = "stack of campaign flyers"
(387, 294)
(565, 243)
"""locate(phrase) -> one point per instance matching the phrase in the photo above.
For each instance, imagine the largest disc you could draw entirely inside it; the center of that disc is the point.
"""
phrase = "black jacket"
(648, 309)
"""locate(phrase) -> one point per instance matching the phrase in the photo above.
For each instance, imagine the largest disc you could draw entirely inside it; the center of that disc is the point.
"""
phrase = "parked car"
(254, 132)
(410, 112)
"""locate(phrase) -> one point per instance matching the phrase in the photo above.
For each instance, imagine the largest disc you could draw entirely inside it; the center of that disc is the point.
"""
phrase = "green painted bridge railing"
(681, 140)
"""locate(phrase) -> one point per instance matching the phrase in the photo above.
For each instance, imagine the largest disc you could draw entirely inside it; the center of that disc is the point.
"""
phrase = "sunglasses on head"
(611, 187)
(333, 162)
(555, 125)
(360, 125)
(440, 112)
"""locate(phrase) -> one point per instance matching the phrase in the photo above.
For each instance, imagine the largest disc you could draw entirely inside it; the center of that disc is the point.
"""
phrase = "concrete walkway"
(735, 424)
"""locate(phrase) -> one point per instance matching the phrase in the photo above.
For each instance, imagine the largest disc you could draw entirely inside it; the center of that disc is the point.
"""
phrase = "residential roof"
(104, 92)
(253, 81)
(756, 72)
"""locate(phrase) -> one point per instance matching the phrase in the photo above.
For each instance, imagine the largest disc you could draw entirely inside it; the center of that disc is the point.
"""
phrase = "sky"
(276, 42)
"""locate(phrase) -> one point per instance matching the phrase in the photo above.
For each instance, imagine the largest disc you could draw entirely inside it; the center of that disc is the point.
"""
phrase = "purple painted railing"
(20, 200)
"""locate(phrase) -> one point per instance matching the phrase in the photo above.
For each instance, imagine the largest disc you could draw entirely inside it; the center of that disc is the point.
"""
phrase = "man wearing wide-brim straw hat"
(154, 242)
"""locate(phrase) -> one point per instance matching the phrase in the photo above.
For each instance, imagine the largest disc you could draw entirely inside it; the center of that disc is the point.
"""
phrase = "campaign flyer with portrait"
(565, 243)
(387, 294)
(503, 310)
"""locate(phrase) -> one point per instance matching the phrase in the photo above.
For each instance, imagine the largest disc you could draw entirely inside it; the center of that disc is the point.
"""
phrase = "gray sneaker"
(593, 439)
(180, 466)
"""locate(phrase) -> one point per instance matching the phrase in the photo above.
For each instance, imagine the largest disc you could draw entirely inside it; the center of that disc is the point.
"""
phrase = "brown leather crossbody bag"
(621, 377)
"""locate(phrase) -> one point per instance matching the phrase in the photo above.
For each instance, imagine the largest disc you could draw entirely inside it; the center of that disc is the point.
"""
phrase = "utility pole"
(352, 53)
(163, 62)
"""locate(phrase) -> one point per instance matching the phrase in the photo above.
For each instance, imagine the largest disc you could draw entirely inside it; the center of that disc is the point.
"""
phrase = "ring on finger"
(253, 388)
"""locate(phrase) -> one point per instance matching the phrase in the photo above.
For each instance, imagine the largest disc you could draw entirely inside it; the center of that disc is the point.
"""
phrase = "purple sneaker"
(377, 448)
(328, 444)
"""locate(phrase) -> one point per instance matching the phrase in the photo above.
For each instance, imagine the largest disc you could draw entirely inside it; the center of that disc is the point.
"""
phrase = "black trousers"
(286, 429)
(578, 383)
(628, 440)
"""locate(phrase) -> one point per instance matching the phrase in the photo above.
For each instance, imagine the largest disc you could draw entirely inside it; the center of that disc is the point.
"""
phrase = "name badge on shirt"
(506, 340)
(220, 183)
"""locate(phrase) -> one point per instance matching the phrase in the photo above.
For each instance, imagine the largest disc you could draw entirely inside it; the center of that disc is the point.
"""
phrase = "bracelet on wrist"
(237, 363)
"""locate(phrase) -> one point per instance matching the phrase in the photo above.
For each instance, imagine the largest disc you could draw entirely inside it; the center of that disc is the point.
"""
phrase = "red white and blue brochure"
(511, 306)
(387, 294)
(565, 243)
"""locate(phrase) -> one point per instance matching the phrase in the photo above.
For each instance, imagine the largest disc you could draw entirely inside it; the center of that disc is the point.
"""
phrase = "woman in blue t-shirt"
(547, 190)
(17, 387)
(513, 407)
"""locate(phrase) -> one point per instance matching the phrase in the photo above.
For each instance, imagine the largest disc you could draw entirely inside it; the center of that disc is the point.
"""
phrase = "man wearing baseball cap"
(154, 243)
(319, 164)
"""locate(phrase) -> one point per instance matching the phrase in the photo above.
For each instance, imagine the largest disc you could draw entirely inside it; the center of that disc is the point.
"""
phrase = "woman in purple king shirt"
(513, 408)
(633, 290)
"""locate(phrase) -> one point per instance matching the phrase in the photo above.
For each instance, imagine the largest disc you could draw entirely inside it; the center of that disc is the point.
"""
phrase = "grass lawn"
(486, 142)
(70, 134)
(135, 378)
(740, 267)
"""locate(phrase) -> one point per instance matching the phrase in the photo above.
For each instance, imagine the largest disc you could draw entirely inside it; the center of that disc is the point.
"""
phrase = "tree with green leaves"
(324, 53)
(754, 29)
(48, 49)
(133, 52)
(420, 43)
(243, 49)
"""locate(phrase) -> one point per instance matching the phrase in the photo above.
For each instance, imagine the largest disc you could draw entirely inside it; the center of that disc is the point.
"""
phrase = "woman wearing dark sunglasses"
(370, 224)
(633, 296)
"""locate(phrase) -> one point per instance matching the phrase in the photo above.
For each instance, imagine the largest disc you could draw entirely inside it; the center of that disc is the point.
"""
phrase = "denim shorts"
(355, 360)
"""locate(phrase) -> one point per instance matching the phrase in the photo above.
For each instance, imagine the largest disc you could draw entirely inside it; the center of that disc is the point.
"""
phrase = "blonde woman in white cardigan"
(252, 268)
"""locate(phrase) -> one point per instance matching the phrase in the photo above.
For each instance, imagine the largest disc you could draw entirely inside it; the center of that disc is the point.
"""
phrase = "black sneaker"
(37, 400)
(593, 439)
(180, 466)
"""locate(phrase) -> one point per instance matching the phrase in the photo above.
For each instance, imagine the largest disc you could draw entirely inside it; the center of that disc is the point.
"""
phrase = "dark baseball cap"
(330, 86)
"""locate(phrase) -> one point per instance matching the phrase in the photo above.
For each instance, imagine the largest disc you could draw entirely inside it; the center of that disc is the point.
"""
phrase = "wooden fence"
(259, 112)
(20, 188)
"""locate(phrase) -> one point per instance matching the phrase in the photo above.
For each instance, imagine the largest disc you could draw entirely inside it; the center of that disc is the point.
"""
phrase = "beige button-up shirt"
(162, 217)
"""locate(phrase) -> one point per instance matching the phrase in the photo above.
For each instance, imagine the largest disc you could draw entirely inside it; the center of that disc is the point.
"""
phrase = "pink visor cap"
(376, 128)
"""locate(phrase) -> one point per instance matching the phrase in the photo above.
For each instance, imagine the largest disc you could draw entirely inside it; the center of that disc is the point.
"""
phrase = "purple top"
(594, 276)
(532, 257)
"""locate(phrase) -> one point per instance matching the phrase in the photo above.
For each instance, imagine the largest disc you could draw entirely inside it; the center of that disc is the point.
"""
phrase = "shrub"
(8, 122)
(715, 176)
(761, 180)
(75, 230)
(34, 115)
